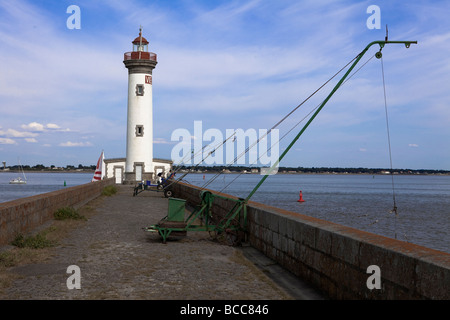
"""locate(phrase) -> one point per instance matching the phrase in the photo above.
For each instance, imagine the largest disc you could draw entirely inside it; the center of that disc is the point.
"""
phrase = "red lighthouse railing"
(139, 55)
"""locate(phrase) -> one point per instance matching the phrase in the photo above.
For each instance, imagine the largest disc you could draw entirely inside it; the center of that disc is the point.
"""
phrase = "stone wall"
(23, 215)
(336, 258)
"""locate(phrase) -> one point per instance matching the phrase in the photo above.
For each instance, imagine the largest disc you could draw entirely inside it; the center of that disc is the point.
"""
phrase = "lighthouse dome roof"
(138, 41)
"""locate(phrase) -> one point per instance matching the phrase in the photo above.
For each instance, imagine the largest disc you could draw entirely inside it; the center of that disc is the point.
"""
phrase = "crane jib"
(358, 58)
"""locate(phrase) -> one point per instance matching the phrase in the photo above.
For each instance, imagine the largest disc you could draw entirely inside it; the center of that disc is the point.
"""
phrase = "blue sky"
(230, 64)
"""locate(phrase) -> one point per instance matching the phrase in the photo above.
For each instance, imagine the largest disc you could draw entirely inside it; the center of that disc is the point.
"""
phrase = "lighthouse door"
(118, 174)
(138, 172)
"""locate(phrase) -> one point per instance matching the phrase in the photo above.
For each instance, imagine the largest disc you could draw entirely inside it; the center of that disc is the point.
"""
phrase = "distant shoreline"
(324, 173)
(282, 170)
(49, 171)
(313, 170)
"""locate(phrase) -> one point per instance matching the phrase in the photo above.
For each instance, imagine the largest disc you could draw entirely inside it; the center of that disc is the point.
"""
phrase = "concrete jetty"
(118, 260)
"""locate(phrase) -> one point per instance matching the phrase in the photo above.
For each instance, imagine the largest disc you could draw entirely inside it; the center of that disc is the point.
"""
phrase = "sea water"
(364, 202)
(38, 182)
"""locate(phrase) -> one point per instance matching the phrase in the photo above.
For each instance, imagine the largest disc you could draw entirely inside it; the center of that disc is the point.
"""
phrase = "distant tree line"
(41, 167)
(237, 169)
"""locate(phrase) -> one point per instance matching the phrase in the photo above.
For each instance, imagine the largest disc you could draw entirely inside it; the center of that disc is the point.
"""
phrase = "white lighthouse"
(139, 164)
(140, 64)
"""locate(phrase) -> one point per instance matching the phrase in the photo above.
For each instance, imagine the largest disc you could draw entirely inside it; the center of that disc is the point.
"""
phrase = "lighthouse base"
(130, 177)
(115, 168)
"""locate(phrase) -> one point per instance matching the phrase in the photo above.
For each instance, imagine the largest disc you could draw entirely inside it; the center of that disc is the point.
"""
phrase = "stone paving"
(118, 260)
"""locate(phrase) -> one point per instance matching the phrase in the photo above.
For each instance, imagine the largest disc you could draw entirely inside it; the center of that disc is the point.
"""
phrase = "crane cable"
(279, 122)
(296, 125)
(394, 210)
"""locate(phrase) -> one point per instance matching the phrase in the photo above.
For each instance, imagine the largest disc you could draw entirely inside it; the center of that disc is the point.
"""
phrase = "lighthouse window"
(139, 89)
(137, 47)
(139, 131)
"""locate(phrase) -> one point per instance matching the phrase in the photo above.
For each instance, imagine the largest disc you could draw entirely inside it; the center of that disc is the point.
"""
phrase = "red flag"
(98, 169)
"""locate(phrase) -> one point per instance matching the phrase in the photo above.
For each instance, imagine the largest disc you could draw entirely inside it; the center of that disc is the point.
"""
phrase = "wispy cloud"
(75, 144)
(7, 141)
(161, 141)
(30, 133)
(38, 127)
(12, 133)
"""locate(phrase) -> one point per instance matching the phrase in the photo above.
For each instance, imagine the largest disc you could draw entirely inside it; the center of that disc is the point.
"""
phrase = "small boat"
(19, 180)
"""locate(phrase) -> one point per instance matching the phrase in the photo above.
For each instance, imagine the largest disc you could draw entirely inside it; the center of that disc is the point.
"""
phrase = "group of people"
(169, 175)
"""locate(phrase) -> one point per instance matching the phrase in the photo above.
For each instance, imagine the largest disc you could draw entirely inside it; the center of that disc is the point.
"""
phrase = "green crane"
(233, 223)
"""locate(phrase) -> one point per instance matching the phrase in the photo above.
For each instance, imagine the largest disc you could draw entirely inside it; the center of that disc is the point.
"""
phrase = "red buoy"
(301, 198)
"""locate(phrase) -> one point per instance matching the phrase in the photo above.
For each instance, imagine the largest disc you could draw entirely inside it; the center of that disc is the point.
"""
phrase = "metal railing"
(139, 55)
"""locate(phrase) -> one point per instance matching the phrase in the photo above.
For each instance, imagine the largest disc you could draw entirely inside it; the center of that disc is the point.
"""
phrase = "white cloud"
(31, 140)
(75, 144)
(225, 17)
(161, 141)
(7, 141)
(17, 134)
(33, 126)
(245, 65)
(53, 126)
(39, 127)
(413, 145)
(51, 57)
